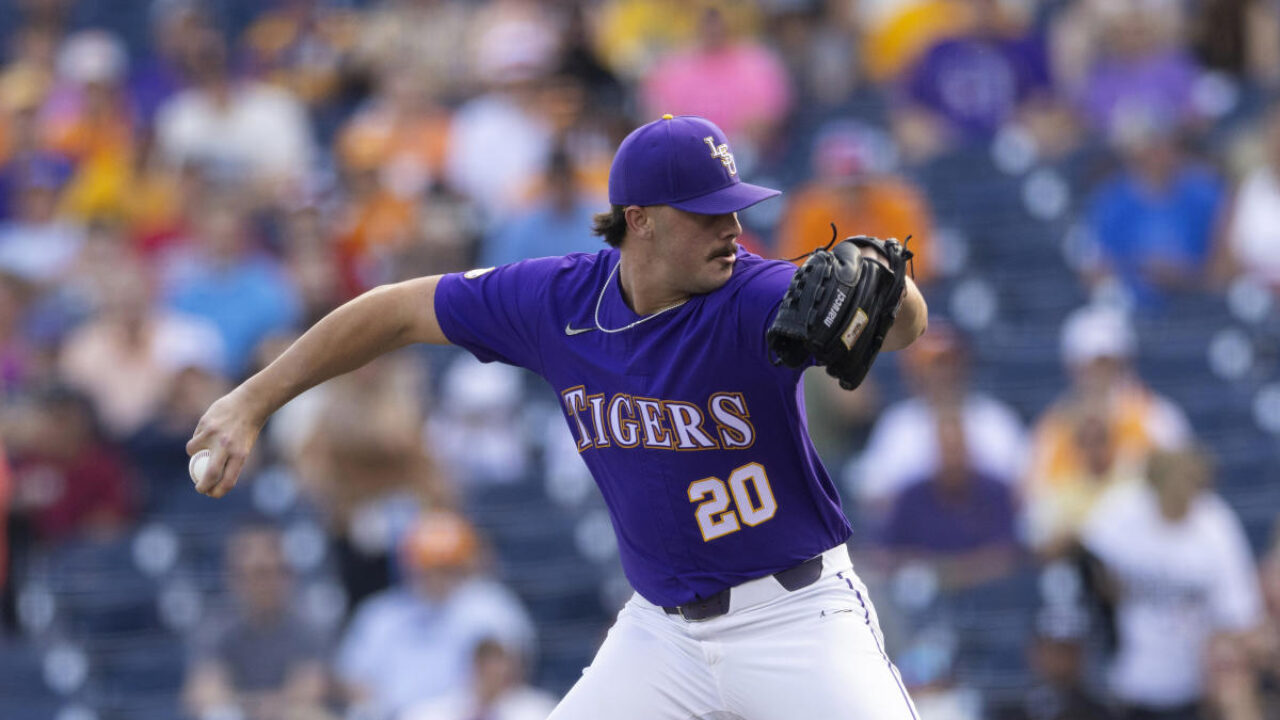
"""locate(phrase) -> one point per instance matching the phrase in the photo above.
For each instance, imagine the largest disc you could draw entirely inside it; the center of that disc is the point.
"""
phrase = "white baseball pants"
(812, 654)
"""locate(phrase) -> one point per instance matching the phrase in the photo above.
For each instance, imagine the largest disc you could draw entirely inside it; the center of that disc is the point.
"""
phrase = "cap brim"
(733, 198)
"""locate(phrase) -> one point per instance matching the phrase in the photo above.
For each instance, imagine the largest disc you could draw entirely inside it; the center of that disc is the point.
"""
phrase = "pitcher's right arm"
(377, 322)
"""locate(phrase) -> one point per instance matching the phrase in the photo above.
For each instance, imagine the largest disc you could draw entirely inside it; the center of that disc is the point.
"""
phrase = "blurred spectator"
(501, 138)
(32, 51)
(819, 43)
(498, 692)
(1121, 59)
(895, 34)
(970, 83)
(1231, 689)
(1240, 37)
(476, 428)
(840, 422)
(633, 35)
(583, 132)
(376, 222)
(1251, 244)
(69, 481)
(36, 244)
(6, 497)
(1098, 433)
(736, 82)
(956, 519)
(87, 118)
(402, 133)
(1154, 219)
(360, 456)
(162, 200)
(177, 29)
(412, 643)
(392, 151)
(1178, 567)
(300, 45)
(220, 122)
(126, 357)
(1264, 646)
(257, 659)
(424, 39)
(17, 355)
(579, 60)
(558, 224)
(1057, 655)
(904, 445)
(21, 139)
(313, 263)
(224, 279)
(49, 15)
(854, 187)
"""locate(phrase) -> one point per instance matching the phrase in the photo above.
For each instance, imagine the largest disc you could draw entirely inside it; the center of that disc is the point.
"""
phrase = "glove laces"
(911, 263)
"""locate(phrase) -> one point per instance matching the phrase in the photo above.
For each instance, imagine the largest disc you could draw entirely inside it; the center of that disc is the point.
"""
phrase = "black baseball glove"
(839, 307)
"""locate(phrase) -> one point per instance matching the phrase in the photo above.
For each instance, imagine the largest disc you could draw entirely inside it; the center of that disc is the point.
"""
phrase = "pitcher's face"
(697, 252)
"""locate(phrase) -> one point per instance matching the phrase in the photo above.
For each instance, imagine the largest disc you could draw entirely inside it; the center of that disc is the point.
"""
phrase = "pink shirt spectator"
(739, 87)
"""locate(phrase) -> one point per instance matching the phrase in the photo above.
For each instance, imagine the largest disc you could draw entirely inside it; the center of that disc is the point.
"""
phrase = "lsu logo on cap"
(721, 153)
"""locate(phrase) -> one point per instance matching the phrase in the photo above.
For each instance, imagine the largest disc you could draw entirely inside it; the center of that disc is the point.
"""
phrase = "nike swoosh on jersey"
(570, 330)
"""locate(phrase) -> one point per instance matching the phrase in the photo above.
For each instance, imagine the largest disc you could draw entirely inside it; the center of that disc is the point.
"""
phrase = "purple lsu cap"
(683, 162)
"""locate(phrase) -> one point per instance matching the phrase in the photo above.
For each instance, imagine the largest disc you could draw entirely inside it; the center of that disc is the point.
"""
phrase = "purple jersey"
(696, 440)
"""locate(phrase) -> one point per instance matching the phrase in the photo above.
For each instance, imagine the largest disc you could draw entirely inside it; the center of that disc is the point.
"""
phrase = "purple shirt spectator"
(929, 518)
(977, 83)
(1159, 83)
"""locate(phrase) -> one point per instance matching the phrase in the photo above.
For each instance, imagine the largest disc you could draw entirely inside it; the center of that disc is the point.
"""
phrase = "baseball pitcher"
(677, 356)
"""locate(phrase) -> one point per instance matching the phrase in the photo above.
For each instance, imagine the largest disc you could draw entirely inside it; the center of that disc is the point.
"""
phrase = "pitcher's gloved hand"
(839, 306)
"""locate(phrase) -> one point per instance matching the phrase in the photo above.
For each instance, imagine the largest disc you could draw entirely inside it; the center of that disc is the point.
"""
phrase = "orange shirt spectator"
(884, 208)
(853, 191)
(402, 131)
(1098, 433)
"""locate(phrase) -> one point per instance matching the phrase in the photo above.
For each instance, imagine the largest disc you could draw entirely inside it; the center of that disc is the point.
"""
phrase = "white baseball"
(198, 465)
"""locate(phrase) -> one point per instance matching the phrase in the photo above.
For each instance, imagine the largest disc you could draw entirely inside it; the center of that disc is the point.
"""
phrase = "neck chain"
(646, 318)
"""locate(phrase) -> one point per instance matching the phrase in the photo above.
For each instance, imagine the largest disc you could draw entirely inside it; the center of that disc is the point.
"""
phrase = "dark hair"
(612, 225)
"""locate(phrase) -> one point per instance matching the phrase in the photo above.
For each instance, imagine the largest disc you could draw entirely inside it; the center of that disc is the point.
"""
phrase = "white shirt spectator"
(406, 650)
(496, 149)
(39, 253)
(903, 446)
(262, 130)
(1180, 583)
(1254, 238)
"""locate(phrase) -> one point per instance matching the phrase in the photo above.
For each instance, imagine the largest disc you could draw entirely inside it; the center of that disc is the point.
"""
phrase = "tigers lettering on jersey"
(626, 421)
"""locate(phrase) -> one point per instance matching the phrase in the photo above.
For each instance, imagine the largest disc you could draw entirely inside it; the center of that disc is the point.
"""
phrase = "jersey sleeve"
(496, 314)
(757, 305)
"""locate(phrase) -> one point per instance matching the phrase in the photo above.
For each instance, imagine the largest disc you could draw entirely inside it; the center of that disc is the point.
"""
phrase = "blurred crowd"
(187, 185)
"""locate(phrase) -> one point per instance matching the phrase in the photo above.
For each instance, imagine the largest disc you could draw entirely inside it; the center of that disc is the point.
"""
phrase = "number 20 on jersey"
(723, 508)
